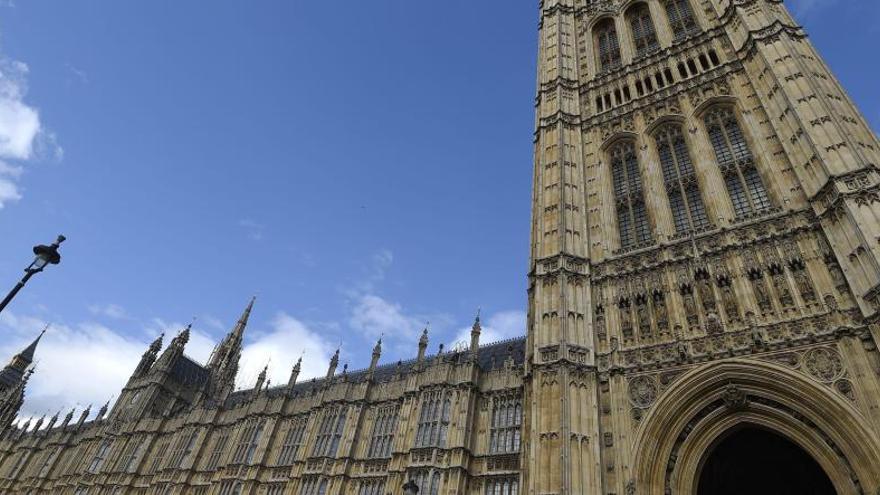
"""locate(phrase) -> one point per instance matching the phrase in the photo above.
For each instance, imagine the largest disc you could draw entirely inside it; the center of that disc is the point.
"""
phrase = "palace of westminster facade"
(704, 292)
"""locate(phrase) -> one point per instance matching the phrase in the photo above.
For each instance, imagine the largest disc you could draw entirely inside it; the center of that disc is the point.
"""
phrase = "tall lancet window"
(688, 210)
(632, 219)
(681, 19)
(643, 33)
(609, 46)
(744, 184)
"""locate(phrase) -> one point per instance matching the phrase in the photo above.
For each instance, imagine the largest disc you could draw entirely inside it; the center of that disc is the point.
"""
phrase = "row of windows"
(504, 486)
(744, 185)
(644, 35)
(659, 79)
(372, 487)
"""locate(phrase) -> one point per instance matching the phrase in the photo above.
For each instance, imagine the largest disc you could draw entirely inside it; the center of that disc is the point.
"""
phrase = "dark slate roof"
(9, 377)
(489, 357)
(188, 372)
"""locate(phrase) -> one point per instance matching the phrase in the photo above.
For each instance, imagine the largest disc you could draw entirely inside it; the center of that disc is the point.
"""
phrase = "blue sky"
(363, 168)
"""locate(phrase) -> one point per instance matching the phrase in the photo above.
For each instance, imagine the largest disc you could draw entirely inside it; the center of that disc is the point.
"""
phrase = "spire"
(149, 357)
(39, 423)
(423, 345)
(22, 360)
(294, 373)
(174, 349)
(334, 362)
(103, 410)
(67, 419)
(261, 379)
(83, 416)
(475, 335)
(223, 362)
(28, 352)
(52, 421)
(377, 353)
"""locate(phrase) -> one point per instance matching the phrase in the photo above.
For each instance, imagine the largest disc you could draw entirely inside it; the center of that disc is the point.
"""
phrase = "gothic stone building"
(704, 289)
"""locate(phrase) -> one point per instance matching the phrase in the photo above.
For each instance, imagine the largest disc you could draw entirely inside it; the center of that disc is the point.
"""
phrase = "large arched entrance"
(757, 461)
(693, 420)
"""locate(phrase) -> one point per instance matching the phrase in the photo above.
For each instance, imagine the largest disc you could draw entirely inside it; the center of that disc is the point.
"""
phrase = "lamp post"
(410, 488)
(43, 256)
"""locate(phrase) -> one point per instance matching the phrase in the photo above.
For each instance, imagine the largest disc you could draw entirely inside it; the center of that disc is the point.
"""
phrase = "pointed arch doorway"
(757, 461)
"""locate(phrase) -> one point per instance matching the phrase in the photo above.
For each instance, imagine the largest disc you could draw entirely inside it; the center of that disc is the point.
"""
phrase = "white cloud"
(110, 310)
(499, 326)
(75, 365)
(280, 347)
(22, 137)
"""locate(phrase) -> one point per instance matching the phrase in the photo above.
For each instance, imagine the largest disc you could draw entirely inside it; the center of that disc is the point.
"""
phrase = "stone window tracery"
(182, 449)
(100, 456)
(609, 46)
(643, 33)
(502, 486)
(685, 200)
(383, 432)
(681, 19)
(505, 435)
(293, 438)
(744, 184)
(372, 487)
(247, 442)
(428, 481)
(222, 437)
(632, 218)
(314, 486)
(330, 432)
(433, 420)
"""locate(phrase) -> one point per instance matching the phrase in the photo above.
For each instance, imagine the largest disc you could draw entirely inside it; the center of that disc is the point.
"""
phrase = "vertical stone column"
(561, 449)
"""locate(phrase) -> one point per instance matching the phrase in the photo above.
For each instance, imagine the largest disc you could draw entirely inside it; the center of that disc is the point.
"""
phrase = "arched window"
(681, 18)
(609, 47)
(688, 210)
(744, 184)
(632, 219)
(644, 35)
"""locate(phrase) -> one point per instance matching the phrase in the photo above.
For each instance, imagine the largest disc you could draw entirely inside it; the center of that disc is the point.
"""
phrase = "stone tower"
(705, 225)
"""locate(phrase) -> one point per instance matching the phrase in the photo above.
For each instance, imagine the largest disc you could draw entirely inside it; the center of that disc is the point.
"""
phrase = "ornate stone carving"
(735, 398)
(643, 391)
(823, 364)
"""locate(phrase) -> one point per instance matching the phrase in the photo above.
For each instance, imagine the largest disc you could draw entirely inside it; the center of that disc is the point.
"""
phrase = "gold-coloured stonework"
(704, 259)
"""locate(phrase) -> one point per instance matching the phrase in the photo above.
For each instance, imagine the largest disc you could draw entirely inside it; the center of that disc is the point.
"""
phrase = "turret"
(103, 411)
(83, 416)
(261, 379)
(294, 373)
(223, 363)
(52, 421)
(423, 346)
(334, 362)
(67, 419)
(148, 358)
(174, 350)
(377, 353)
(475, 336)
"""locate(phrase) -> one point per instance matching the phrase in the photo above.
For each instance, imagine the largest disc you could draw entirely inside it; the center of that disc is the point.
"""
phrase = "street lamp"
(410, 488)
(43, 256)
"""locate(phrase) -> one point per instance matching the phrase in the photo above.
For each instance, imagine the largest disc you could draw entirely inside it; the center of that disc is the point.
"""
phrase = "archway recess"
(759, 462)
(706, 404)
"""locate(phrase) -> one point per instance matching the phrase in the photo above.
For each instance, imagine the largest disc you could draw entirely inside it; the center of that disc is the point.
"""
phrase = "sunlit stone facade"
(705, 257)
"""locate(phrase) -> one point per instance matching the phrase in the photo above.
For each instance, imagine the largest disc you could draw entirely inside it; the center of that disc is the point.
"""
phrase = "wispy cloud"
(805, 8)
(253, 229)
(22, 136)
(113, 311)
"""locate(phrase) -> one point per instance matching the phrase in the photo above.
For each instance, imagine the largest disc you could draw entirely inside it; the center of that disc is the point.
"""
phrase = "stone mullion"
(718, 204)
(654, 190)
(661, 26)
